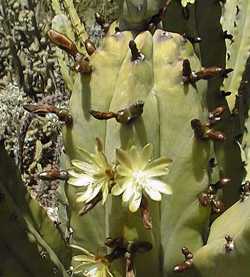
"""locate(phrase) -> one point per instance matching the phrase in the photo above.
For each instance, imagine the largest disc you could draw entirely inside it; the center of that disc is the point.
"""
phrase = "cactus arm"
(177, 141)
(213, 259)
(135, 14)
(135, 82)
(19, 230)
(93, 92)
(213, 52)
(236, 21)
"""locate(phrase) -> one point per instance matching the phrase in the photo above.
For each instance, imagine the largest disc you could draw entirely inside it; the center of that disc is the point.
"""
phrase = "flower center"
(139, 176)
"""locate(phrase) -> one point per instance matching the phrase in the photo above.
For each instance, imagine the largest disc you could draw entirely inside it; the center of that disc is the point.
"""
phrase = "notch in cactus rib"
(204, 131)
(229, 36)
(192, 39)
(229, 245)
(225, 93)
(136, 54)
(82, 64)
(184, 266)
(54, 174)
(209, 197)
(101, 21)
(90, 47)
(124, 116)
(244, 191)
(116, 242)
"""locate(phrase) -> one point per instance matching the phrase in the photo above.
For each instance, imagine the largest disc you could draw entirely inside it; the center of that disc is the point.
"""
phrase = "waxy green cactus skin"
(116, 82)
(25, 226)
(159, 84)
(236, 22)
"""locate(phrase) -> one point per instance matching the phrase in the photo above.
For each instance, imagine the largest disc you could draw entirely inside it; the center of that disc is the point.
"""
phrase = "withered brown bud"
(63, 42)
(145, 213)
(54, 174)
(90, 47)
(116, 242)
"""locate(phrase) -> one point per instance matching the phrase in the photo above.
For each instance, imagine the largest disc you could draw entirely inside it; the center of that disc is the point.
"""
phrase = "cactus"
(155, 175)
(26, 226)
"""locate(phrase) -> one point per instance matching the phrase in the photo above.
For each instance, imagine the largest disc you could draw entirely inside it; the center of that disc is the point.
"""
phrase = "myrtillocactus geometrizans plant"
(147, 146)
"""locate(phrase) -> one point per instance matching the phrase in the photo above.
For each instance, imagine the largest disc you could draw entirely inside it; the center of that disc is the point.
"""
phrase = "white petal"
(152, 193)
(118, 188)
(83, 259)
(89, 194)
(84, 180)
(160, 186)
(101, 160)
(147, 152)
(157, 168)
(135, 202)
(129, 192)
(123, 171)
(86, 167)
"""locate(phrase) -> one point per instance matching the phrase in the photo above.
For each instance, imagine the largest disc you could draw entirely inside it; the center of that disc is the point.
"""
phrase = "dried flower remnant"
(184, 266)
(191, 77)
(137, 174)
(124, 116)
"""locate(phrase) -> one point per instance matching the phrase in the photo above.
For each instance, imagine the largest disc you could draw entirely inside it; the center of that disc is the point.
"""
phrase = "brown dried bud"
(82, 64)
(63, 42)
(53, 174)
(112, 243)
(130, 113)
(145, 213)
(215, 135)
(212, 72)
(102, 115)
(90, 47)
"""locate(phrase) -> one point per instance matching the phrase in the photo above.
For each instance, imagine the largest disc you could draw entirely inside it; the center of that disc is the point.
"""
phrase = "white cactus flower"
(90, 265)
(138, 173)
(185, 2)
(93, 173)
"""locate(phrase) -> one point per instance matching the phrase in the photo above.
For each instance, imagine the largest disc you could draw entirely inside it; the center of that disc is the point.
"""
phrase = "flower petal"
(118, 188)
(147, 152)
(160, 186)
(135, 202)
(152, 193)
(129, 191)
(89, 194)
(84, 166)
(158, 167)
(84, 180)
